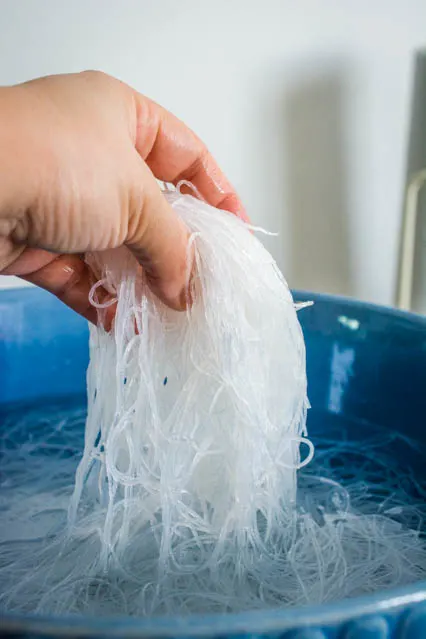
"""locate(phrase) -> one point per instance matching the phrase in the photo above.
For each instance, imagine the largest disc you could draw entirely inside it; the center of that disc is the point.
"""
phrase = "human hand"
(79, 155)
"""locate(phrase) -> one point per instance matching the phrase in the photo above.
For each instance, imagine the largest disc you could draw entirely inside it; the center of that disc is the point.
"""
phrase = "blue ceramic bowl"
(365, 365)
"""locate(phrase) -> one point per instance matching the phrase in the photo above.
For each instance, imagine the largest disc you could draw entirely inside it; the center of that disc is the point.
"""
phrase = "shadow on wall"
(416, 161)
(317, 183)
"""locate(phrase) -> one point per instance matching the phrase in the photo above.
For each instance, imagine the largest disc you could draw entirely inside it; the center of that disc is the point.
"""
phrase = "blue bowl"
(366, 365)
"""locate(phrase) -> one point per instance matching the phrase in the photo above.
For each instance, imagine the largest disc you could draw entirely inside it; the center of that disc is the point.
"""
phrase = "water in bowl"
(358, 527)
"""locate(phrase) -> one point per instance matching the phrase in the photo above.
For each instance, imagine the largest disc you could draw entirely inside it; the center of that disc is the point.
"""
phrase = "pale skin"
(79, 155)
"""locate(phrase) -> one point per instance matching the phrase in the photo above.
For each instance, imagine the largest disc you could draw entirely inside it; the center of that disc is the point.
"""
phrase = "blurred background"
(315, 109)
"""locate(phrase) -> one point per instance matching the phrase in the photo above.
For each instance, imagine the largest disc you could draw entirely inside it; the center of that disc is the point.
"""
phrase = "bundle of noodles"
(196, 419)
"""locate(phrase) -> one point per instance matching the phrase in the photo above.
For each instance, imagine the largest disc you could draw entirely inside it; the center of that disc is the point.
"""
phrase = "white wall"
(305, 103)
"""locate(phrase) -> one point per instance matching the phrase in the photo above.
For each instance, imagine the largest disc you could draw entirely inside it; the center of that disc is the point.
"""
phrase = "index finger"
(173, 153)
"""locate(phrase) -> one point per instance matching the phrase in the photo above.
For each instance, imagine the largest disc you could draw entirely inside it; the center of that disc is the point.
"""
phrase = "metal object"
(406, 268)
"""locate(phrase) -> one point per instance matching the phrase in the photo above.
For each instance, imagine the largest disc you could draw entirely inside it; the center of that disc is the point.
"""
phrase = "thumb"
(158, 238)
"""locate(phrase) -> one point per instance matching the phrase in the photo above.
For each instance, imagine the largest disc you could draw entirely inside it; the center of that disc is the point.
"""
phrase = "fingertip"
(172, 294)
(232, 204)
(162, 251)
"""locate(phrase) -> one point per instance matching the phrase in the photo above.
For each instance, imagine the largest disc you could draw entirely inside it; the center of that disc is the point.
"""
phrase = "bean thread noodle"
(200, 415)
(186, 496)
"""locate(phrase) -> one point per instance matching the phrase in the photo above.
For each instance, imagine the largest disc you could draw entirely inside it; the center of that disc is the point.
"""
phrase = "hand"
(79, 155)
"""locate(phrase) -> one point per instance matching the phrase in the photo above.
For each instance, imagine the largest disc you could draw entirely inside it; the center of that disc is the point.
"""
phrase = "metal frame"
(406, 267)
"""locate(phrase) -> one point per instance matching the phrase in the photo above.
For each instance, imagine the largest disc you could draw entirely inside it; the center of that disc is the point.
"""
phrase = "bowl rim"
(357, 304)
(17, 293)
(273, 620)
